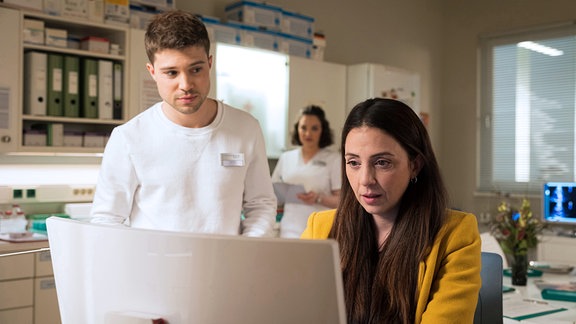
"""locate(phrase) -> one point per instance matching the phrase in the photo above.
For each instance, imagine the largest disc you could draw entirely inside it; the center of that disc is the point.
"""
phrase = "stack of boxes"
(261, 25)
(142, 11)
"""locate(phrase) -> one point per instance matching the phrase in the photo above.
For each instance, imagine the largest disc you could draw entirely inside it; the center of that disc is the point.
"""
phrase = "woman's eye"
(382, 163)
(352, 163)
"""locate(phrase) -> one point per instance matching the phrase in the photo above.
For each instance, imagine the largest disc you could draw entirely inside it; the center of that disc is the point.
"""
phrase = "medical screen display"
(560, 202)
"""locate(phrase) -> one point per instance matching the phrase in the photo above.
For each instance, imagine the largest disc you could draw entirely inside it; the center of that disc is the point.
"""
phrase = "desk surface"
(531, 291)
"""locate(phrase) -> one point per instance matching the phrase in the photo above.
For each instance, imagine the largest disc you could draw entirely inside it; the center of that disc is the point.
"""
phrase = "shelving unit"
(12, 85)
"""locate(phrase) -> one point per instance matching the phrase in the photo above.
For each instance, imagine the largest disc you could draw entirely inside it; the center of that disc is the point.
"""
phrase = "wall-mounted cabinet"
(64, 94)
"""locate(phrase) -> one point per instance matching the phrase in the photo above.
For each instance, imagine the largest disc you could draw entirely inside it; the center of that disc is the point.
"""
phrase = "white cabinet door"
(319, 83)
(10, 63)
(368, 80)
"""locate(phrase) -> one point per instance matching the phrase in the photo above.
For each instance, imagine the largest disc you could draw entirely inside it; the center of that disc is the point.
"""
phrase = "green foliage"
(517, 230)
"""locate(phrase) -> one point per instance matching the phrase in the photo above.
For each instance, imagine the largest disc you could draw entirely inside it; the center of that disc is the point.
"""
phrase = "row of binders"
(72, 86)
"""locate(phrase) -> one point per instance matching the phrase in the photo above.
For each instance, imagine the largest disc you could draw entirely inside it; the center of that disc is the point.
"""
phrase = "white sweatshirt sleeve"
(116, 185)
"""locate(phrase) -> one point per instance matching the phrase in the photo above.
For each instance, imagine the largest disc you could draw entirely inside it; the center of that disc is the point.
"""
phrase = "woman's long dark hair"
(380, 285)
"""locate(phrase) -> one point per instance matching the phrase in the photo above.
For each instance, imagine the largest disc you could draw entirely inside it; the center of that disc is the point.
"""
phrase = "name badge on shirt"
(232, 159)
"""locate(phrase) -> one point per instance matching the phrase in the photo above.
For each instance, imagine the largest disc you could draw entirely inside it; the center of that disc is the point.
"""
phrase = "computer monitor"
(107, 273)
(559, 203)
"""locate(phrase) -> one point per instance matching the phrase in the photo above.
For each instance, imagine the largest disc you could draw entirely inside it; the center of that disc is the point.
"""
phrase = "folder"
(89, 88)
(54, 105)
(71, 94)
(117, 109)
(35, 64)
(105, 89)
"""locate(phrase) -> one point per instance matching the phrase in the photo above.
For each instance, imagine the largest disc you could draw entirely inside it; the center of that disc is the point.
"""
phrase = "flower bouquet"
(517, 231)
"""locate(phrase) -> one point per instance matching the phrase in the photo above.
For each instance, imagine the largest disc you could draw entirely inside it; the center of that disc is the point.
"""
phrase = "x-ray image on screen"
(560, 202)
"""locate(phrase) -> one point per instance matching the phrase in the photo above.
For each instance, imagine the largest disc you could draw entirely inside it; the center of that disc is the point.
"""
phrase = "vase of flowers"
(517, 230)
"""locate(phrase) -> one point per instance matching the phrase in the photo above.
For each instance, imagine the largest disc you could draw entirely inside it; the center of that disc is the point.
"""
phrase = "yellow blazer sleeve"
(450, 281)
(319, 225)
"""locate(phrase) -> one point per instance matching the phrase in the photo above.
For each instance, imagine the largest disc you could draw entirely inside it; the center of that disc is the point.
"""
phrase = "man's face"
(182, 77)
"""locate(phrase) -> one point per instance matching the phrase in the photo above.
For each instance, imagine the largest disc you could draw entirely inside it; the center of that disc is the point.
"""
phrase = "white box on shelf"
(297, 46)
(297, 24)
(26, 4)
(93, 140)
(256, 14)
(33, 31)
(53, 7)
(158, 4)
(140, 16)
(117, 11)
(95, 44)
(73, 139)
(34, 138)
(253, 36)
(318, 47)
(96, 10)
(56, 37)
(220, 32)
(73, 42)
(75, 9)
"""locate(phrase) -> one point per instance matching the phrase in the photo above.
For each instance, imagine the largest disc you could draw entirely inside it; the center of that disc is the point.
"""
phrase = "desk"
(531, 291)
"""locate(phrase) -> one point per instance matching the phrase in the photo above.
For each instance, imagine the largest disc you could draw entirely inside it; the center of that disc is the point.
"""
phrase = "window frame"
(484, 169)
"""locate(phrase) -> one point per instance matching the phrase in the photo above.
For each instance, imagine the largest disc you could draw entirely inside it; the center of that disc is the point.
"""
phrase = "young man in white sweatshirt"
(188, 163)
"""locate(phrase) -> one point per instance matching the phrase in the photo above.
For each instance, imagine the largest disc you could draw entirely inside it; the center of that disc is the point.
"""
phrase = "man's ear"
(151, 70)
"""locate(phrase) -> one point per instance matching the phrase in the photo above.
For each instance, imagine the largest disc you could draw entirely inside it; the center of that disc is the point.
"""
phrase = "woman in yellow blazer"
(405, 257)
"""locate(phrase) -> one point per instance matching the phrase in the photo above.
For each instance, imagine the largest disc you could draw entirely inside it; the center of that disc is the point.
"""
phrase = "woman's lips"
(371, 198)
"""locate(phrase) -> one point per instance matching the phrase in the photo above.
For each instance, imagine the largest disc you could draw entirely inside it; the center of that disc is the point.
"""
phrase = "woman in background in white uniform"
(311, 165)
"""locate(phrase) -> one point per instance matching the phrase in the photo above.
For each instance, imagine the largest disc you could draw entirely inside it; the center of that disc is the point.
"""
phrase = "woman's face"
(378, 169)
(309, 130)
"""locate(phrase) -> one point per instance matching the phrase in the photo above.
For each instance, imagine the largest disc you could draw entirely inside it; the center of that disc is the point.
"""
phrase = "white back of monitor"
(102, 271)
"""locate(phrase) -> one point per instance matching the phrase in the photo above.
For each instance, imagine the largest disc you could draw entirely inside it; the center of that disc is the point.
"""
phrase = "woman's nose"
(367, 176)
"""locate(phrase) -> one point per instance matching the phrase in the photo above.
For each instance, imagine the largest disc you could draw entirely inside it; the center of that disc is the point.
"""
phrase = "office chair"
(491, 244)
(489, 307)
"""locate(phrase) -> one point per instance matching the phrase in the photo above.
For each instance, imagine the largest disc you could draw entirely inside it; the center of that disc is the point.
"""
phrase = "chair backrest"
(490, 244)
(489, 307)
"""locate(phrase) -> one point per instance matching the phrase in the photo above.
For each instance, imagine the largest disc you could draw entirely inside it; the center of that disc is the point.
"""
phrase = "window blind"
(527, 120)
